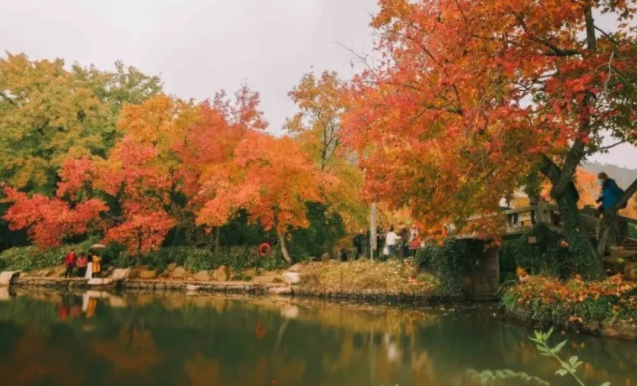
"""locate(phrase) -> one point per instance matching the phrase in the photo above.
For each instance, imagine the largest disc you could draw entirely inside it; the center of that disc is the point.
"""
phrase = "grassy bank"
(245, 264)
(390, 277)
(573, 303)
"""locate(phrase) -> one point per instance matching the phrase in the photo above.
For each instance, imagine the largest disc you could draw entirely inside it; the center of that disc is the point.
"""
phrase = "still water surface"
(54, 339)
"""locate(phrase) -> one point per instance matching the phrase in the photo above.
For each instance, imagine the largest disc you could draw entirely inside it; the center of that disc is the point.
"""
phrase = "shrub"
(195, 259)
(548, 256)
(446, 263)
(31, 258)
(550, 300)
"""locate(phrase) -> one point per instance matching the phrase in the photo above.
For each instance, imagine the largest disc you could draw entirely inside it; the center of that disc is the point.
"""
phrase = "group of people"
(88, 264)
(397, 242)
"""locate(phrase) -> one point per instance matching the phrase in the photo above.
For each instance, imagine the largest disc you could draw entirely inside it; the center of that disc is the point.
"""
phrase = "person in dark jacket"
(358, 242)
(611, 193)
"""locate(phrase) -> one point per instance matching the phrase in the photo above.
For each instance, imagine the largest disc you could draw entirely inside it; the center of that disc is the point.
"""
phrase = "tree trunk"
(372, 231)
(608, 234)
(218, 239)
(608, 227)
(587, 262)
(284, 249)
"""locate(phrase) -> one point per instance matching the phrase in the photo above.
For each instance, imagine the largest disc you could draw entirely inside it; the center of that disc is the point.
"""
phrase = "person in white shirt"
(391, 240)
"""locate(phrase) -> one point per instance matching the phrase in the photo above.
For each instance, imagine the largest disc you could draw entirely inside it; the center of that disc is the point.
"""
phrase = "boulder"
(171, 267)
(202, 276)
(296, 267)
(100, 282)
(630, 272)
(266, 279)
(148, 275)
(121, 274)
(6, 277)
(192, 288)
(325, 257)
(179, 273)
(221, 274)
(291, 277)
(59, 271)
(280, 291)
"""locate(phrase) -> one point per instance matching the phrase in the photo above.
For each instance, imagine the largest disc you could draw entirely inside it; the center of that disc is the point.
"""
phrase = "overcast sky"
(201, 46)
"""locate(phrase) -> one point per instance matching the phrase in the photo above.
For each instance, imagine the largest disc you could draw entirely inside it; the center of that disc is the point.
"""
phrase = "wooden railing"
(522, 220)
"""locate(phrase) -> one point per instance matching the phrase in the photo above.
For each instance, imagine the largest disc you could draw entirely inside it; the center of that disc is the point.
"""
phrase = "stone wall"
(483, 275)
(277, 289)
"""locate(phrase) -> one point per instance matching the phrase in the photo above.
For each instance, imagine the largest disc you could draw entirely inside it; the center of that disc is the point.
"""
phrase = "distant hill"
(623, 176)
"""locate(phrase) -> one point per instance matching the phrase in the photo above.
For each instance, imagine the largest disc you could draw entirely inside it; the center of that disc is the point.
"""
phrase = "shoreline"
(617, 329)
(238, 287)
(622, 329)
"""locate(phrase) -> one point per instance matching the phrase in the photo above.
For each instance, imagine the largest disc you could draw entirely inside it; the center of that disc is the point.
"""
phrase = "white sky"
(201, 46)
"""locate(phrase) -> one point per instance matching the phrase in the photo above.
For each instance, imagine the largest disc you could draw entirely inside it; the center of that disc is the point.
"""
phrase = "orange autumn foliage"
(165, 146)
(270, 178)
(467, 96)
(317, 128)
(555, 293)
(50, 220)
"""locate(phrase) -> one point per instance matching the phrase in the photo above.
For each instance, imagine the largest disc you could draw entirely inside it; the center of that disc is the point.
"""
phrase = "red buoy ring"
(264, 249)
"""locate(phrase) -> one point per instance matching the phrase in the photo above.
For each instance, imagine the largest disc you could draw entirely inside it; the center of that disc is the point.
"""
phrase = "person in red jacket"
(69, 261)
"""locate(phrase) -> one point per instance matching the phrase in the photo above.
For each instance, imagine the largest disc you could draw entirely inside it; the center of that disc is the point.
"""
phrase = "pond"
(98, 338)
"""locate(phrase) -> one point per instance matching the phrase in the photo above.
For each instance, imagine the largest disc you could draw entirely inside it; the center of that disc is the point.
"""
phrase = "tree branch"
(553, 173)
(556, 50)
(610, 146)
(607, 35)
(623, 200)
(591, 39)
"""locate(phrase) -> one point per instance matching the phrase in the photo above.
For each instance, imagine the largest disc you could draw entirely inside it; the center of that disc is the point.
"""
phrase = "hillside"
(623, 176)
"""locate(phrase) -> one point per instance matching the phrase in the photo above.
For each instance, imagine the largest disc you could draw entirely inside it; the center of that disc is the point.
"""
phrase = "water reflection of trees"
(203, 340)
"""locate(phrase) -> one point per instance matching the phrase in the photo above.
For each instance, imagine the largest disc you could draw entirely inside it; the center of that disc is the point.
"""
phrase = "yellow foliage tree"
(317, 128)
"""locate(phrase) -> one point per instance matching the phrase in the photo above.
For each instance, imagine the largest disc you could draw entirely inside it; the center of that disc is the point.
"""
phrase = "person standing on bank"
(610, 192)
(358, 242)
(69, 261)
(97, 266)
(82, 263)
(391, 240)
(89, 267)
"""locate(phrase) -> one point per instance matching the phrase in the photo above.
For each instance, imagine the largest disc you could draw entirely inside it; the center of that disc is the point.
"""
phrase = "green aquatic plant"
(567, 367)
(504, 377)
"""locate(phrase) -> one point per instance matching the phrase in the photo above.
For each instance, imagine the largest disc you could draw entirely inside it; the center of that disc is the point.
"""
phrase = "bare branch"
(607, 35)
(610, 146)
